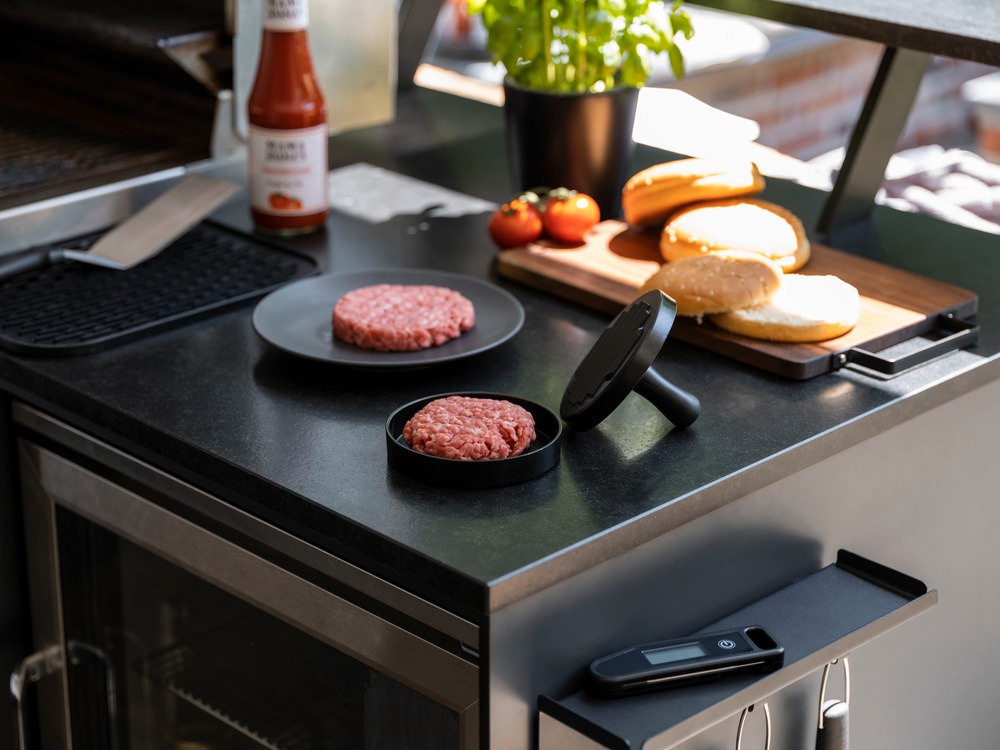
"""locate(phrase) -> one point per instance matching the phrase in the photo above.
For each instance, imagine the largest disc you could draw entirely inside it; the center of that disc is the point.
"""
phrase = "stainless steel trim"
(57, 219)
(468, 727)
(425, 667)
(397, 598)
(554, 735)
(44, 597)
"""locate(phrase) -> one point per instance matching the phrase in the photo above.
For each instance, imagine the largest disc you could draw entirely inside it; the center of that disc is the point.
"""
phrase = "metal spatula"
(142, 235)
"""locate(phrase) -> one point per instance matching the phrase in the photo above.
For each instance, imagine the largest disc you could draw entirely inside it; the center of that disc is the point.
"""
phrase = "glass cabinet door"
(161, 659)
(158, 625)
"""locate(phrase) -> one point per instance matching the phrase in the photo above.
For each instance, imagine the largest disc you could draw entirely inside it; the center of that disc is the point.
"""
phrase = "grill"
(75, 308)
(91, 101)
(37, 152)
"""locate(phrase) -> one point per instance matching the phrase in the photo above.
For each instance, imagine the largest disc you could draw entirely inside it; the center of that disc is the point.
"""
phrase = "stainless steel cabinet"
(165, 618)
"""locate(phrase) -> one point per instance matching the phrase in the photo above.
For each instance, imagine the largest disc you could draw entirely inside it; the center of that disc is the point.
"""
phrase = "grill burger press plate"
(540, 456)
(619, 362)
(298, 319)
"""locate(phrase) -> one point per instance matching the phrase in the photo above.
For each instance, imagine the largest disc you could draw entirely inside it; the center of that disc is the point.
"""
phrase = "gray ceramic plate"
(298, 318)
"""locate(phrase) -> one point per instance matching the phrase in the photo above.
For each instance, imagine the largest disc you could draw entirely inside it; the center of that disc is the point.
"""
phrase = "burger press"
(619, 362)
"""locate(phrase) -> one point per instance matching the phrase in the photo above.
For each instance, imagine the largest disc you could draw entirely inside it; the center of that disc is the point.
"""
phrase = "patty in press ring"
(401, 318)
(470, 429)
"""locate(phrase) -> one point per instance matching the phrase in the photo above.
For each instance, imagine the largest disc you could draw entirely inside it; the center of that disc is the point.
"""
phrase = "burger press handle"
(832, 732)
(621, 361)
(677, 405)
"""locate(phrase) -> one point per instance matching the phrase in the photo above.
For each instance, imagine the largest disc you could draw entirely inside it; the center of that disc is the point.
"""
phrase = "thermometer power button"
(727, 644)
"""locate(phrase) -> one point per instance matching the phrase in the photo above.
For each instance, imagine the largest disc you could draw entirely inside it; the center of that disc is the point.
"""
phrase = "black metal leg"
(874, 139)
(416, 22)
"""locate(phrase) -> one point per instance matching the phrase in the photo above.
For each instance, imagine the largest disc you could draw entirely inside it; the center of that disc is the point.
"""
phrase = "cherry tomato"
(569, 215)
(515, 223)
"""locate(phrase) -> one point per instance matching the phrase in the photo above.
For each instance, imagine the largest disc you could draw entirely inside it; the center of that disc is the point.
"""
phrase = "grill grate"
(76, 308)
(76, 111)
(269, 682)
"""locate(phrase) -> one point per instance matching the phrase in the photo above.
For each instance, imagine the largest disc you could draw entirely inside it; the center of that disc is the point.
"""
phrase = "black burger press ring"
(540, 456)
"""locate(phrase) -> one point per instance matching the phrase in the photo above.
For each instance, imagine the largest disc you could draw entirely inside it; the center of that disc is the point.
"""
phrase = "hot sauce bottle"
(287, 141)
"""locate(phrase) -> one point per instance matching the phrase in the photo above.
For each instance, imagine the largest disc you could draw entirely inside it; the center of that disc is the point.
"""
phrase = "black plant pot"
(572, 140)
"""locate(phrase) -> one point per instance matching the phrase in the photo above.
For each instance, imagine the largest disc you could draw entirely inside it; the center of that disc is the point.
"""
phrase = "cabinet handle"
(50, 660)
(30, 670)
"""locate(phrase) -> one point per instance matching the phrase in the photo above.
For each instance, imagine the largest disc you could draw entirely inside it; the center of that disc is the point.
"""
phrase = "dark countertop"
(301, 444)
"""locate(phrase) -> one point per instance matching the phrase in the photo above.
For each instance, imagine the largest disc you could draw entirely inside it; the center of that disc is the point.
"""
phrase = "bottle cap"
(285, 15)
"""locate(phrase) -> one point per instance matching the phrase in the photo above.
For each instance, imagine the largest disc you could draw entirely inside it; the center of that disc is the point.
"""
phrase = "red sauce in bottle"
(287, 142)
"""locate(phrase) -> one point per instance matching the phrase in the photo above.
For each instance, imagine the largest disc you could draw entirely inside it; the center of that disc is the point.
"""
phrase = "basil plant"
(582, 45)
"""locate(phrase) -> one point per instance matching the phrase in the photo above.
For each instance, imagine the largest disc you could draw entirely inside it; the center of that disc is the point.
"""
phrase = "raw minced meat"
(401, 318)
(470, 429)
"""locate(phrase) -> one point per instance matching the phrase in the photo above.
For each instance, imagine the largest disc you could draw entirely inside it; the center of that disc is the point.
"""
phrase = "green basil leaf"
(635, 69)
(676, 61)
(682, 23)
(582, 44)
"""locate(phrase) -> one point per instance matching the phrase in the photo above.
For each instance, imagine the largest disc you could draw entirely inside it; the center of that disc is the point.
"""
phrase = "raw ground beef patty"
(470, 429)
(401, 318)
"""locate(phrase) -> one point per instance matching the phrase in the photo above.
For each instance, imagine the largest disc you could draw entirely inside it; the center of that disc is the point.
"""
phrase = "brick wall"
(808, 98)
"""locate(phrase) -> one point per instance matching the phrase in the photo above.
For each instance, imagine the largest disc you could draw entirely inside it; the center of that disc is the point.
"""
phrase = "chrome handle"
(50, 660)
(83, 652)
(31, 669)
(822, 687)
(767, 727)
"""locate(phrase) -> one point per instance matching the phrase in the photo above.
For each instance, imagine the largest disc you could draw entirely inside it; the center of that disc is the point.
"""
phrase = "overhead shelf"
(817, 619)
(965, 29)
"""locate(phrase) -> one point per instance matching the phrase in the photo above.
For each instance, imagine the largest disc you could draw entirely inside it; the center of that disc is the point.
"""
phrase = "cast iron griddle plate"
(72, 308)
(540, 456)
(298, 319)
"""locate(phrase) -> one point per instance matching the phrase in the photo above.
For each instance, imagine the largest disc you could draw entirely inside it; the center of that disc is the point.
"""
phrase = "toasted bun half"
(737, 224)
(805, 308)
(717, 282)
(653, 194)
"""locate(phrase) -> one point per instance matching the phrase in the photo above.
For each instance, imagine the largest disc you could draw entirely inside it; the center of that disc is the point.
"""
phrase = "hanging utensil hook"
(822, 687)
(767, 727)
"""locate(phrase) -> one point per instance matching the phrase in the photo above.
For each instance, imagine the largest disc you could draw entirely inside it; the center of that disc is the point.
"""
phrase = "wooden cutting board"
(607, 271)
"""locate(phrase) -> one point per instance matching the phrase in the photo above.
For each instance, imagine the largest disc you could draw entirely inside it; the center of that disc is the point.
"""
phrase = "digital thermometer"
(683, 661)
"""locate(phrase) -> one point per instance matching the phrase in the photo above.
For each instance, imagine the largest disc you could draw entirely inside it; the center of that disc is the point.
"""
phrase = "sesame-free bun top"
(717, 282)
(650, 196)
(804, 309)
(736, 224)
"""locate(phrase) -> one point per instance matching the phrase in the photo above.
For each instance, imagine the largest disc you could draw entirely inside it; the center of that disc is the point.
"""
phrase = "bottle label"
(288, 170)
(285, 15)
